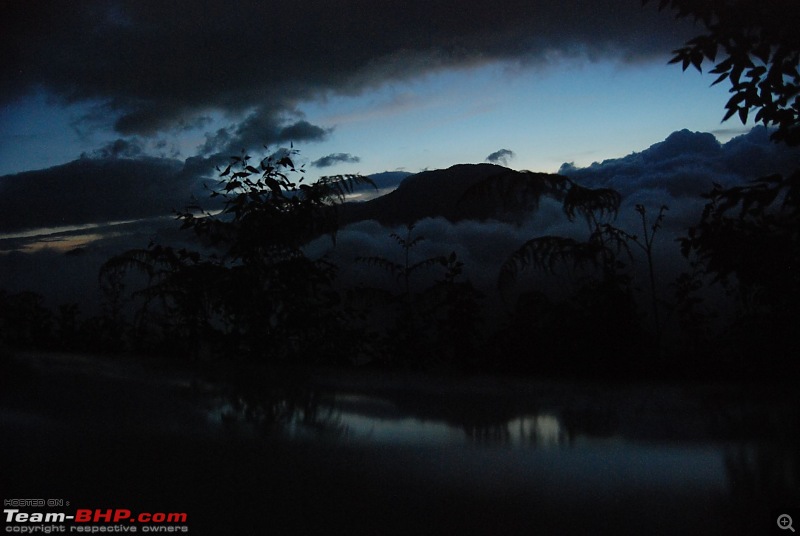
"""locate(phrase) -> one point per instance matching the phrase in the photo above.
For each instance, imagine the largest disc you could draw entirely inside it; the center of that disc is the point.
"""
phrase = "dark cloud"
(501, 157)
(336, 158)
(156, 66)
(120, 148)
(302, 131)
(264, 126)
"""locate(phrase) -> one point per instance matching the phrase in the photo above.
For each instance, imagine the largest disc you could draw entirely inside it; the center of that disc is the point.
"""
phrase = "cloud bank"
(676, 171)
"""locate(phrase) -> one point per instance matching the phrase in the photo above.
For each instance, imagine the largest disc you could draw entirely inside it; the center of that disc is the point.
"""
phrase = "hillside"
(431, 194)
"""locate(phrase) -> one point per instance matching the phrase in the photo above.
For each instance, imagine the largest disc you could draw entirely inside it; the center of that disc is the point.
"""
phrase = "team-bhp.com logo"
(97, 520)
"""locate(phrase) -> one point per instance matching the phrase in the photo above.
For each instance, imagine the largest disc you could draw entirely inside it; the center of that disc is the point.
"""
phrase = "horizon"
(194, 195)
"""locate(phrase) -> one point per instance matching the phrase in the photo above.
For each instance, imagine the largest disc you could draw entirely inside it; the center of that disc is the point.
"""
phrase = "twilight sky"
(359, 86)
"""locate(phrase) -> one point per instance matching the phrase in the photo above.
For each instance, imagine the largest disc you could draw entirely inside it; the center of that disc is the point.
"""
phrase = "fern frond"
(545, 253)
(337, 187)
(614, 241)
(427, 263)
(597, 203)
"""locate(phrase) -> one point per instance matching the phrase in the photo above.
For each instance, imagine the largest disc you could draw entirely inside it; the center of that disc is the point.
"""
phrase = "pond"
(680, 458)
(369, 453)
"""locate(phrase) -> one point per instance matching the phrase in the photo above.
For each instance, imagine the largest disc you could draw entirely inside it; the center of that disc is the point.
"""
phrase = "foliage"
(597, 207)
(433, 326)
(267, 217)
(649, 231)
(24, 320)
(756, 46)
(748, 239)
(599, 319)
(403, 272)
(251, 289)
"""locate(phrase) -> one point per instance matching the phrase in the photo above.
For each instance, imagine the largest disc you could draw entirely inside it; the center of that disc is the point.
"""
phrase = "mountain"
(384, 182)
(430, 194)
(387, 179)
(91, 191)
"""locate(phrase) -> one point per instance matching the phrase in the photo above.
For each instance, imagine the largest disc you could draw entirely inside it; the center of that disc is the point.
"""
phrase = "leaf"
(721, 77)
(426, 263)
(545, 253)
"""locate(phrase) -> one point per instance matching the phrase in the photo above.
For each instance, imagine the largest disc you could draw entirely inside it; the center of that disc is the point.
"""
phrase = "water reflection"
(553, 458)
(736, 453)
(361, 418)
(545, 416)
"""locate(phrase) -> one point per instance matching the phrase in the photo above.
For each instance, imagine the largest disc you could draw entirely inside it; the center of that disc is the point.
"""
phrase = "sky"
(359, 86)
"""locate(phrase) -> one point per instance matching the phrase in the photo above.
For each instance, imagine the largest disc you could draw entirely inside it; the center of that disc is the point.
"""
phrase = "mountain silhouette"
(91, 190)
(386, 179)
(430, 194)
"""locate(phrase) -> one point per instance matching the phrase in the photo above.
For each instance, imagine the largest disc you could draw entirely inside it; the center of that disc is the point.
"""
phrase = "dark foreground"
(364, 454)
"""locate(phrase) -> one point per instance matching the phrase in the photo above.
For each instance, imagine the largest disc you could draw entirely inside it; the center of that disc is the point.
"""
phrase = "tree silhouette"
(24, 320)
(597, 207)
(754, 45)
(433, 326)
(747, 238)
(598, 322)
(250, 287)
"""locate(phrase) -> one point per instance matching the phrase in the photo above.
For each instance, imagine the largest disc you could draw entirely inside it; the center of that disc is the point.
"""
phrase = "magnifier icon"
(785, 522)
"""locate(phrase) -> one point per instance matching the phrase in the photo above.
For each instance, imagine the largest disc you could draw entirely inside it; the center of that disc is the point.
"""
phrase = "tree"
(755, 45)
(598, 323)
(748, 238)
(429, 327)
(250, 284)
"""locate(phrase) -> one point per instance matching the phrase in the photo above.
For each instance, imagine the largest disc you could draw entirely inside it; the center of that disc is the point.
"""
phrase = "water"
(688, 458)
(378, 454)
